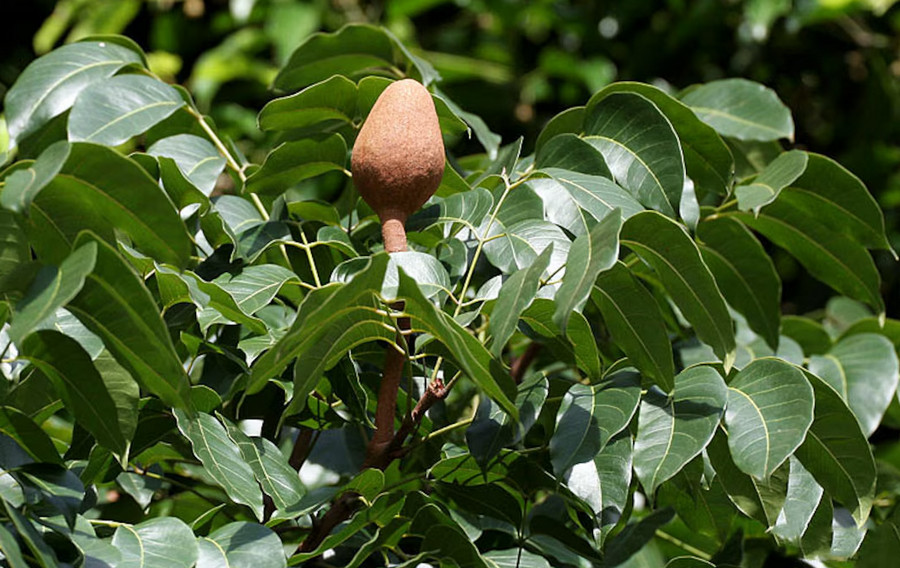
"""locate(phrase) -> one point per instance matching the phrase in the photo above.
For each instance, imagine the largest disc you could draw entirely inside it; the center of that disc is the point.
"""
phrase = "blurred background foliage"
(516, 63)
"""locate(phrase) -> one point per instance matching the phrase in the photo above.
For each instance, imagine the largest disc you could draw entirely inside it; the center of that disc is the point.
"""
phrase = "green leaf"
(828, 255)
(744, 273)
(577, 201)
(221, 459)
(603, 483)
(707, 159)
(447, 542)
(635, 537)
(79, 384)
(49, 85)
(664, 245)
(278, 479)
(839, 200)
(464, 349)
(689, 562)
(764, 189)
(674, 430)
(492, 429)
(803, 497)
(195, 157)
(114, 110)
(292, 162)
(52, 288)
(863, 369)
(515, 295)
(100, 190)
(578, 343)
(9, 547)
(770, 409)
(21, 186)
(250, 290)
(837, 454)
(163, 542)
(700, 502)
(330, 320)
(115, 305)
(333, 99)
(569, 152)
(590, 416)
(469, 208)
(636, 324)
(40, 550)
(425, 269)
(746, 493)
(518, 245)
(568, 121)
(14, 250)
(27, 434)
(741, 109)
(589, 255)
(241, 545)
(809, 334)
(882, 545)
(640, 147)
(465, 469)
(488, 139)
(515, 558)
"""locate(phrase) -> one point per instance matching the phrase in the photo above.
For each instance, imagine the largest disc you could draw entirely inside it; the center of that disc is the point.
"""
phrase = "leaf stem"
(312, 261)
(683, 545)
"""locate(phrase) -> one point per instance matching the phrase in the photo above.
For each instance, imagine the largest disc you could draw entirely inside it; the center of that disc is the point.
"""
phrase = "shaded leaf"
(590, 416)
(828, 255)
(115, 305)
(665, 246)
(744, 273)
(51, 289)
(329, 100)
(100, 190)
(636, 324)
(588, 256)
(492, 429)
(837, 454)
(515, 295)
(221, 458)
(292, 162)
(79, 384)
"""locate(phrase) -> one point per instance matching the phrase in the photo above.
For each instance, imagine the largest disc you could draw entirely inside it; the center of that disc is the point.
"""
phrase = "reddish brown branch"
(379, 454)
(341, 510)
(301, 448)
(521, 363)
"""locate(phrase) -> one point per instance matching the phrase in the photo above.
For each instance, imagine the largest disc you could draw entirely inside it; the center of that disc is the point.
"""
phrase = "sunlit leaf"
(770, 409)
(741, 109)
(674, 430)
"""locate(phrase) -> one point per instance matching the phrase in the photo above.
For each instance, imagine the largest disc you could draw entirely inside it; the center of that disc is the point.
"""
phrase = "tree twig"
(521, 363)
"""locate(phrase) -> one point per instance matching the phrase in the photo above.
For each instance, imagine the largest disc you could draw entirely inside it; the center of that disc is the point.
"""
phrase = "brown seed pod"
(398, 157)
